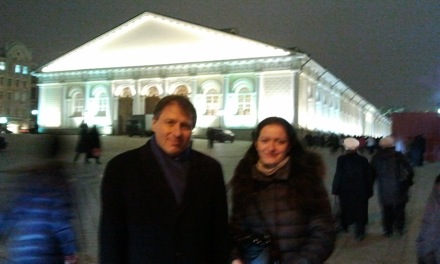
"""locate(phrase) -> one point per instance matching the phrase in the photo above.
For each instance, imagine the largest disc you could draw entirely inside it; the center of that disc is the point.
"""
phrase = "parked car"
(220, 135)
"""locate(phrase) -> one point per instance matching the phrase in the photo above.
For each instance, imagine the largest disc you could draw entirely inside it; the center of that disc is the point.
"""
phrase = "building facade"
(18, 90)
(233, 82)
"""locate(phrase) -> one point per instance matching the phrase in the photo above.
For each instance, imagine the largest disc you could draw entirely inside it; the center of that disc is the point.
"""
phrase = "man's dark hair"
(182, 101)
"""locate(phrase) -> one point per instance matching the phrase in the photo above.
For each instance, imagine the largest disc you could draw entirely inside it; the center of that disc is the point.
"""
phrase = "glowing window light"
(155, 40)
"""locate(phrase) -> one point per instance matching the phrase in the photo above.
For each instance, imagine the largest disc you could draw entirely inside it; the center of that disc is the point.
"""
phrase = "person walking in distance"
(353, 184)
(93, 145)
(394, 175)
(81, 146)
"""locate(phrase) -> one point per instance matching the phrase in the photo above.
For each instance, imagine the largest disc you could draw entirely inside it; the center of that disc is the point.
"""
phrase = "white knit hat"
(386, 142)
(351, 143)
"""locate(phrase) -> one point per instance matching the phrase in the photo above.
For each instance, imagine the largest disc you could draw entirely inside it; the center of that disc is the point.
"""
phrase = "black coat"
(142, 223)
(353, 183)
(385, 165)
(296, 210)
(353, 177)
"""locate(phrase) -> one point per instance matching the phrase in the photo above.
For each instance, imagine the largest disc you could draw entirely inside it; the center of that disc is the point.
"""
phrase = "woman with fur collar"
(278, 191)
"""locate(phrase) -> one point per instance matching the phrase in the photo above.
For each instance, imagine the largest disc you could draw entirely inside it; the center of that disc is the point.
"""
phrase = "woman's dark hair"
(296, 148)
(180, 100)
(305, 178)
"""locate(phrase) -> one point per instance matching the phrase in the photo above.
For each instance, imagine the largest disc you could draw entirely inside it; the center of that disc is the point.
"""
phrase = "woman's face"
(272, 145)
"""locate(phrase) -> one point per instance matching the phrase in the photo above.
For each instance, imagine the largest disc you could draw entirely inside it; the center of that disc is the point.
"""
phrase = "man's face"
(173, 130)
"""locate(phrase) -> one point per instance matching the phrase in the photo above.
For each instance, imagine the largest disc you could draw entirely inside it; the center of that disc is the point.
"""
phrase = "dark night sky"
(387, 51)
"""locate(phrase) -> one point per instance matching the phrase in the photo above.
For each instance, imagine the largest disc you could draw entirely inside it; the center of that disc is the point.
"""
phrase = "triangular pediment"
(151, 39)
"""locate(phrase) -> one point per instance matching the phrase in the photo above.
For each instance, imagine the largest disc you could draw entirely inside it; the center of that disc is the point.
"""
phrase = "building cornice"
(175, 70)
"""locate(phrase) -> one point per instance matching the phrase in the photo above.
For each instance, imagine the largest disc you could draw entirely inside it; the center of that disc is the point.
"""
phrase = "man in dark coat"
(353, 184)
(165, 203)
(394, 177)
(81, 145)
(93, 145)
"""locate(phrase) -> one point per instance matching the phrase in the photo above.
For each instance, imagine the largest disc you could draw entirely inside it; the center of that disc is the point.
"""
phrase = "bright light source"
(3, 120)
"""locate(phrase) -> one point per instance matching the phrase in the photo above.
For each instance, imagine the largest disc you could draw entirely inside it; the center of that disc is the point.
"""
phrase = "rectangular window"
(17, 69)
(102, 106)
(212, 104)
(2, 66)
(244, 104)
(25, 70)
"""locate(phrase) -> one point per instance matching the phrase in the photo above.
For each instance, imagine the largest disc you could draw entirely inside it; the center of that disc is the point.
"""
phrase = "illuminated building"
(233, 81)
(18, 95)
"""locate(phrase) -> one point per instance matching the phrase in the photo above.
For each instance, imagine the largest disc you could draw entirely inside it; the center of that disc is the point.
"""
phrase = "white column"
(295, 94)
(136, 99)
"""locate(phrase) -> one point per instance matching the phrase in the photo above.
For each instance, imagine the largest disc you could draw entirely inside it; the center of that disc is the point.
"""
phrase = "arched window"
(244, 101)
(77, 105)
(212, 102)
(153, 92)
(213, 97)
(151, 97)
(126, 92)
(181, 90)
(102, 102)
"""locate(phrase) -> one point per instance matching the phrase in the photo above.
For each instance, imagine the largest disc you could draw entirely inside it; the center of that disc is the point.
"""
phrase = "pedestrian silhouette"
(81, 145)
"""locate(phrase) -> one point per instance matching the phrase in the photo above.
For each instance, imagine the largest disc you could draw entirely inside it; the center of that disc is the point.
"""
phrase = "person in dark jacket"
(353, 184)
(394, 175)
(81, 146)
(93, 145)
(278, 192)
(164, 203)
(428, 240)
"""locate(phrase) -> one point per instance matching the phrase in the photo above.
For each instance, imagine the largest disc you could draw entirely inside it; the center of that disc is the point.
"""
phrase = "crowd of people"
(353, 184)
(165, 202)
